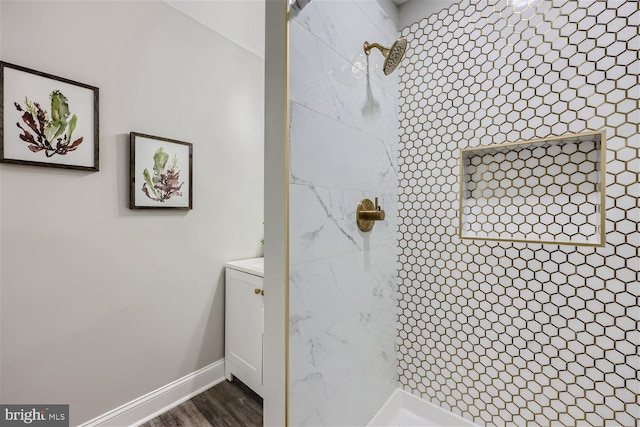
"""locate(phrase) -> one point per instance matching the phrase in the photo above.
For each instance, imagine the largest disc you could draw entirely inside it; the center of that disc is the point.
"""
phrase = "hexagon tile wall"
(506, 332)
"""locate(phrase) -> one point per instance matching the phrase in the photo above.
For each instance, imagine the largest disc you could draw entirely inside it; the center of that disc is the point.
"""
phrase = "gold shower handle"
(375, 214)
(367, 213)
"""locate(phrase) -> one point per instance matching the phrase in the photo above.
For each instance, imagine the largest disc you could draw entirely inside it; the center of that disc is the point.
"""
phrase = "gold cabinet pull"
(256, 291)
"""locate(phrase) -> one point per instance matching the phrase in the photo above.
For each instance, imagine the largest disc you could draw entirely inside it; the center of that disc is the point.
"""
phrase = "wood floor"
(229, 404)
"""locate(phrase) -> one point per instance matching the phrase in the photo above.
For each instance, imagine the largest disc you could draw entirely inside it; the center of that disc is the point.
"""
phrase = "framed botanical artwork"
(47, 120)
(161, 173)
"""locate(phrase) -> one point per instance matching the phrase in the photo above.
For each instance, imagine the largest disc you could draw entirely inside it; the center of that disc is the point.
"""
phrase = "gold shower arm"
(368, 46)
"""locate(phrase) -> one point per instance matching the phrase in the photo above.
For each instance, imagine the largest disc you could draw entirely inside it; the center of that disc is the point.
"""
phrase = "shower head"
(393, 55)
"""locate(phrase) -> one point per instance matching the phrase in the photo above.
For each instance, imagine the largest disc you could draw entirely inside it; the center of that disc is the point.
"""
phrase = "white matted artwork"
(161, 173)
(47, 120)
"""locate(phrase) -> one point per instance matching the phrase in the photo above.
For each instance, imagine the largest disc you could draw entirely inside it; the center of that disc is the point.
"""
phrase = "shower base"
(403, 409)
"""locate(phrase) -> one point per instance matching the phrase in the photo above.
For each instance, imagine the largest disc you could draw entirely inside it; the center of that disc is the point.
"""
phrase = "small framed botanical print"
(161, 173)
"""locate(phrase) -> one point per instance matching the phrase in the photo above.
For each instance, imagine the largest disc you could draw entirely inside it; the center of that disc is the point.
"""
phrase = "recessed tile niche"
(542, 191)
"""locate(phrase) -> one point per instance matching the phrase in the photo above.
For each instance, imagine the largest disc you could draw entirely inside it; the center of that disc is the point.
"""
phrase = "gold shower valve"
(367, 213)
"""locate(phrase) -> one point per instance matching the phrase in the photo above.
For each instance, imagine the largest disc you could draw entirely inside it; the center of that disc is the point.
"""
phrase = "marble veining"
(342, 326)
(347, 90)
(343, 26)
(357, 161)
(342, 283)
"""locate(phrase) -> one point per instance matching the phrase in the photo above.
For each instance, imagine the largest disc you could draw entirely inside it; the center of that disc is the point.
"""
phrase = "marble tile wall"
(507, 333)
(343, 148)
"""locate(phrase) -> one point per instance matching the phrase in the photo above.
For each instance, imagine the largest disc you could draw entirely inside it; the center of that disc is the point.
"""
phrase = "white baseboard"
(152, 404)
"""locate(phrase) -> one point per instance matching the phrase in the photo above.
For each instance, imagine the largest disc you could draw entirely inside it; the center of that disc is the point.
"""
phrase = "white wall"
(239, 20)
(101, 304)
(0, 223)
(343, 146)
(276, 184)
(414, 10)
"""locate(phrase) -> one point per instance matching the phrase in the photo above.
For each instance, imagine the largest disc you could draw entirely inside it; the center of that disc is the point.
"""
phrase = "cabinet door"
(244, 326)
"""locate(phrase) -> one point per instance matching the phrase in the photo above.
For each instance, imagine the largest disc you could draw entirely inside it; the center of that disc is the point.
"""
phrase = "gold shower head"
(393, 55)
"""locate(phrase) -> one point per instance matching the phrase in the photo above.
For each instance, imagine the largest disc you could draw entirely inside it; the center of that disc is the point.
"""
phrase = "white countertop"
(253, 266)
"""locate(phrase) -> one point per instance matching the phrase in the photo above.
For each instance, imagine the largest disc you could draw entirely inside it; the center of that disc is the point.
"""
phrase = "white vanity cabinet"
(244, 324)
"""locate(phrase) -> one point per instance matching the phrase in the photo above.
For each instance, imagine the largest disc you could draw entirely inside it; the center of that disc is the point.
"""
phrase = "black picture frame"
(156, 172)
(41, 114)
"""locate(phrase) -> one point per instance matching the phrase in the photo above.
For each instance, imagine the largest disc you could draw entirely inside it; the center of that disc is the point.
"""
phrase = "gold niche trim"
(600, 144)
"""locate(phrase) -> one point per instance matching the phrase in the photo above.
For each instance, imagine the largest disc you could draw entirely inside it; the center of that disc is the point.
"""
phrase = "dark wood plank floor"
(228, 404)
